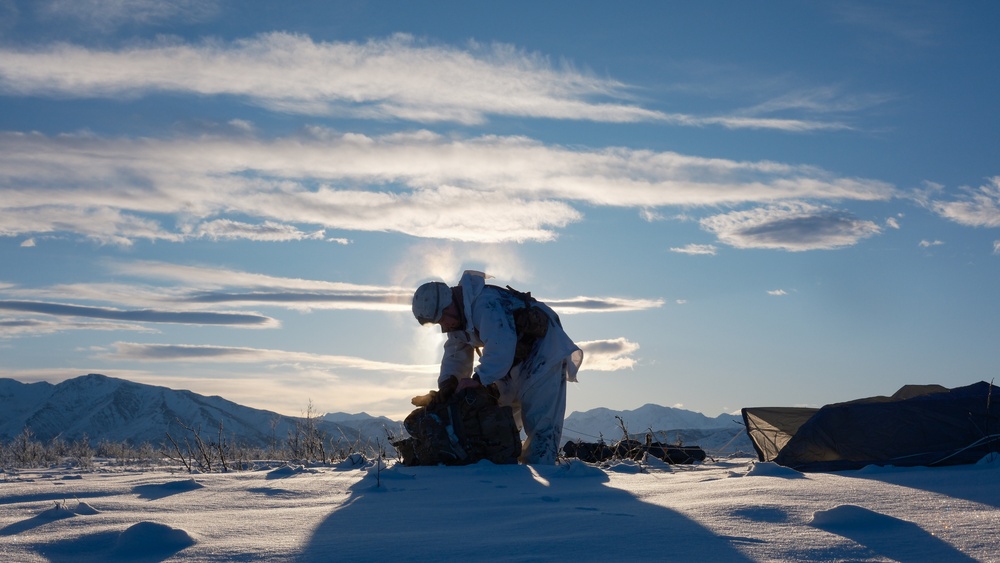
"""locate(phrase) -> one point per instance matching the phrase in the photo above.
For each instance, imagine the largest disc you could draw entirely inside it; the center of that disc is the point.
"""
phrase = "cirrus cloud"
(975, 208)
(398, 77)
(487, 189)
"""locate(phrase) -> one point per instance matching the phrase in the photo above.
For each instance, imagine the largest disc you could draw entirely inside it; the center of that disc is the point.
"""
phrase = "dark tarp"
(918, 425)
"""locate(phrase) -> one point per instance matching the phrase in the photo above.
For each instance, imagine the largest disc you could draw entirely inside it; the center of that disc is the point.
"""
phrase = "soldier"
(524, 354)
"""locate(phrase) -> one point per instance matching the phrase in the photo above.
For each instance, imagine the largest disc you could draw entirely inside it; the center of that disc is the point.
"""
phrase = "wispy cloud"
(399, 77)
(777, 292)
(912, 23)
(600, 355)
(602, 305)
(420, 184)
(793, 226)
(975, 207)
(106, 15)
(395, 78)
(16, 327)
(268, 231)
(195, 288)
(930, 243)
(230, 354)
(144, 316)
(696, 249)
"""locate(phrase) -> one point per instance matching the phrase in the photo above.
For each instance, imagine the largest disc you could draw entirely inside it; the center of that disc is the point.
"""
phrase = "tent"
(918, 425)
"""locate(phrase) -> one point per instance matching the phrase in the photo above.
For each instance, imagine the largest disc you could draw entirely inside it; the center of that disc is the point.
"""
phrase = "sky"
(729, 205)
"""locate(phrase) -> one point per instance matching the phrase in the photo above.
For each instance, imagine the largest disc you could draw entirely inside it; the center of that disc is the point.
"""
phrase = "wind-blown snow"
(360, 510)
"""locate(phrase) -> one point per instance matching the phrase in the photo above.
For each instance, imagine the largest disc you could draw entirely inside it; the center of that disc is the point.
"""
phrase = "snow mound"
(150, 537)
(991, 460)
(571, 469)
(85, 509)
(160, 490)
(849, 516)
(353, 461)
(288, 471)
(771, 469)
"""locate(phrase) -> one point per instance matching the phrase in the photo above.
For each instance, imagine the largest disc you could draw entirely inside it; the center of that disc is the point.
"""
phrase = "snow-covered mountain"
(723, 434)
(107, 408)
(118, 410)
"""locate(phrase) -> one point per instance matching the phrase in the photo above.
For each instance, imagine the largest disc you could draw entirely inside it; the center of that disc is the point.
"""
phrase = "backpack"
(530, 322)
(458, 429)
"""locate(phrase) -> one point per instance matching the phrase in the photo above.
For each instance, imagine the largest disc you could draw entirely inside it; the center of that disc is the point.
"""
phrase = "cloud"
(601, 305)
(650, 215)
(976, 208)
(268, 231)
(928, 244)
(28, 243)
(996, 247)
(230, 354)
(696, 249)
(196, 288)
(16, 327)
(777, 292)
(914, 25)
(420, 184)
(398, 77)
(106, 15)
(892, 223)
(792, 226)
(608, 355)
(145, 316)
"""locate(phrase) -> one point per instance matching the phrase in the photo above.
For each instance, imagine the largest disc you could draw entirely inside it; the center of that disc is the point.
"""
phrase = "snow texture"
(360, 510)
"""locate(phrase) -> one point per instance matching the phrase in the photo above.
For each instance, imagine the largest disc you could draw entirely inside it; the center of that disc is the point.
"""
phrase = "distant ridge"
(107, 408)
(723, 434)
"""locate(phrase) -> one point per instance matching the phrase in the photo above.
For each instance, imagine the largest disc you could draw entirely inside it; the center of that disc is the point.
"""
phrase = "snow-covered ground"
(727, 510)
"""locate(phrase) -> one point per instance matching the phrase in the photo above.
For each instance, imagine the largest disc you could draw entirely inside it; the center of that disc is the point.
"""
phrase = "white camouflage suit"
(536, 388)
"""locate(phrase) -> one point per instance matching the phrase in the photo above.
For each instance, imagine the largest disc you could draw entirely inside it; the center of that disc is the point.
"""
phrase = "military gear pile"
(459, 428)
(592, 452)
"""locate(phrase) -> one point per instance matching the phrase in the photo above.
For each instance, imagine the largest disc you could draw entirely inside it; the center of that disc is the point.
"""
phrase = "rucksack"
(530, 322)
(462, 428)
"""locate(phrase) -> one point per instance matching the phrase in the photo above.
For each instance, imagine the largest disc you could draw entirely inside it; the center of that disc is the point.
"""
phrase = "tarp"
(918, 425)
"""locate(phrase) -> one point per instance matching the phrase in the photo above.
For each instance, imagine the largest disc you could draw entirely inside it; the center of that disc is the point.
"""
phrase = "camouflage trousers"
(538, 400)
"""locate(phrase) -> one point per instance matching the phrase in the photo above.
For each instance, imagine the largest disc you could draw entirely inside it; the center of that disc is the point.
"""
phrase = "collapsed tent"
(919, 425)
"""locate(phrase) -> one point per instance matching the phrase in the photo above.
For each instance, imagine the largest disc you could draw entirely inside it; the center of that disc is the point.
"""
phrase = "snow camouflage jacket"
(459, 428)
(489, 314)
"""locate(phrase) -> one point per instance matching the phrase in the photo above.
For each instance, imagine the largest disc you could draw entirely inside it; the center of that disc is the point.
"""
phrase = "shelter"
(918, 425)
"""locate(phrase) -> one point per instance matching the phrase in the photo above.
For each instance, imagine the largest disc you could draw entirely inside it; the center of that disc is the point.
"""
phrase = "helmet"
(430, 300)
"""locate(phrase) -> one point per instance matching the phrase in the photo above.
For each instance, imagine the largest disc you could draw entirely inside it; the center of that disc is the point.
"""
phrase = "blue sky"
(730, 204)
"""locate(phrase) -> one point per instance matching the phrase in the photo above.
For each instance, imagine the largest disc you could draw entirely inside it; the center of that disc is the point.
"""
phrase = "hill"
(107, 408)
(723, 434)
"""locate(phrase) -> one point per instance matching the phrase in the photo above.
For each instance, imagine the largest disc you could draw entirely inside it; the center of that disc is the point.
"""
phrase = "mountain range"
(107, 408)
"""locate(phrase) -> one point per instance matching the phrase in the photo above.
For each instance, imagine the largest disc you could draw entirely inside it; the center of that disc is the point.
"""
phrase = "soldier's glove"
(445, 390)
(424, 400)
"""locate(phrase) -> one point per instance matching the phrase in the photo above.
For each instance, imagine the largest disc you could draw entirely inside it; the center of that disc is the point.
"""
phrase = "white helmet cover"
(430, 300)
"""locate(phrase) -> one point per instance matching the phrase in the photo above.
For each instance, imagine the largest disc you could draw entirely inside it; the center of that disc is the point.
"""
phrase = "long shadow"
(895, 539)
(509, 513)
(975, 483)
(51, 515)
